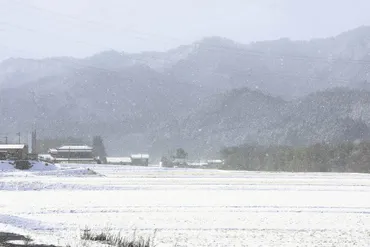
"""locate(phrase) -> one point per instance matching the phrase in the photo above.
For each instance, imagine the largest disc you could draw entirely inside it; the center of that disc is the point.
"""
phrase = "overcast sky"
(41, 28)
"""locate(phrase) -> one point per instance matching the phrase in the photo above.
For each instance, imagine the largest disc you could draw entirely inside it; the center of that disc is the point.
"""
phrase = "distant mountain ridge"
(202, 96)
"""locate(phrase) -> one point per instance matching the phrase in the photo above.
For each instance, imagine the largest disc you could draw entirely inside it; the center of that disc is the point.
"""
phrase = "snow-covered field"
(189, 207)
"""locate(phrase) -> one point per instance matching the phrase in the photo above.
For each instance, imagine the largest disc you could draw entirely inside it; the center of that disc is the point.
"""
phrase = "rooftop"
(12, 146)
(72, 147)
(140, 156)
(214, 161)
(118, 159)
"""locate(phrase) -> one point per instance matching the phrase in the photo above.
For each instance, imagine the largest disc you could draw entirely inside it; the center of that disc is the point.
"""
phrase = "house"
(211, 162)
(140, 159)
(198, 164)
(13, 151)
(73, 154)
(119, 160)
(214, 163)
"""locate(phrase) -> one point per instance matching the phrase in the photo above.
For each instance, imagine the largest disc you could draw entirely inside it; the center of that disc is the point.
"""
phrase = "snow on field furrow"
(26, 186)
(198, 209)
(130, 171)
(96, 180)
(228, 237)
(192, 207)
(29, 186)
(20, 222)
(265, 237)
(86, 199)
(100, 183)
(207, 220)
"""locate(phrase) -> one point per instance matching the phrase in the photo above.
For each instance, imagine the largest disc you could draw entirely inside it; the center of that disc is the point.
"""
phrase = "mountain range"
(212, 93)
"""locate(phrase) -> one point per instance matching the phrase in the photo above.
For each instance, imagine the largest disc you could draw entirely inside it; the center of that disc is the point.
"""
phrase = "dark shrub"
(22, 165)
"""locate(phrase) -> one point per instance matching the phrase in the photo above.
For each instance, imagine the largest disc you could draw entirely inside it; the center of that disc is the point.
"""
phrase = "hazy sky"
(39, 28)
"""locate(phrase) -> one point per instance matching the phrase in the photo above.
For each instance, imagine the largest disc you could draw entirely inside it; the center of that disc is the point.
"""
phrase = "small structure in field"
(198, 164)
(73, 154)
(177, 162)
(214, 163)
(140, 159)
(13, 151)
(46, 157)
(119, 160)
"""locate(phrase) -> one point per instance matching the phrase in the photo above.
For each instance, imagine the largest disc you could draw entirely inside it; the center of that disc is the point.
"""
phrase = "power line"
(100, 23)
(56, 36)
(246, 73)
(240, 51)
(235, 71)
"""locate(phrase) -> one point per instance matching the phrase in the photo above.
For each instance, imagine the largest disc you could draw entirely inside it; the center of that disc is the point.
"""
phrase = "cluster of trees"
(344, 157)
(178, 158)
(99, 149)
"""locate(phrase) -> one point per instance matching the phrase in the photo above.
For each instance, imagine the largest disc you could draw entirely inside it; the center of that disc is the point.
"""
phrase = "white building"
(73, 154)
(119, 160)
(13, 151)
(140, 159)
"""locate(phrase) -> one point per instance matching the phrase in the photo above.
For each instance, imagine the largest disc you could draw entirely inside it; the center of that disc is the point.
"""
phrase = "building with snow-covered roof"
(119, 160)
(13, 151)
(73, 154)
(214, 164)
(80, 148)
(140, 159)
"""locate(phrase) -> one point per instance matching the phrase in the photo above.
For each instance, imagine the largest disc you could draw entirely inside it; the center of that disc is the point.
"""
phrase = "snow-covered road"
(191, 207)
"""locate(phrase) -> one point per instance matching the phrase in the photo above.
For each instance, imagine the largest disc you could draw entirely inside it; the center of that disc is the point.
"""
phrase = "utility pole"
(5, 136)
(34, 142)
(19, 137)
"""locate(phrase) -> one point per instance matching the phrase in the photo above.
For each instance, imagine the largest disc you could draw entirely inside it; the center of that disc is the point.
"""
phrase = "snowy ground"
(189, 207)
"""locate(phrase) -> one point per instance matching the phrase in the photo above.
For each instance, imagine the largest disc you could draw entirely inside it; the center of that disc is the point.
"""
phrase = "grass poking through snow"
(117, 240)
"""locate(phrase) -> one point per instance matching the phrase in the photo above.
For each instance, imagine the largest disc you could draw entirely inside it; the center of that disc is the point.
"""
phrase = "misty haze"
(184, 123)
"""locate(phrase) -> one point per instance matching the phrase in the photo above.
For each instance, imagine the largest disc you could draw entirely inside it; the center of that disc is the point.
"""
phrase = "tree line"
(321, 157)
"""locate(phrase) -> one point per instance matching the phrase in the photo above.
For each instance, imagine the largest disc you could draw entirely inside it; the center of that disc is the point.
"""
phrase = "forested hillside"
(344, 157)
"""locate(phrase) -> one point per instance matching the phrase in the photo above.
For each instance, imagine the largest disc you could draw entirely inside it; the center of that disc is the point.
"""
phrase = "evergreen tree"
(181, 154)
(99, 149)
